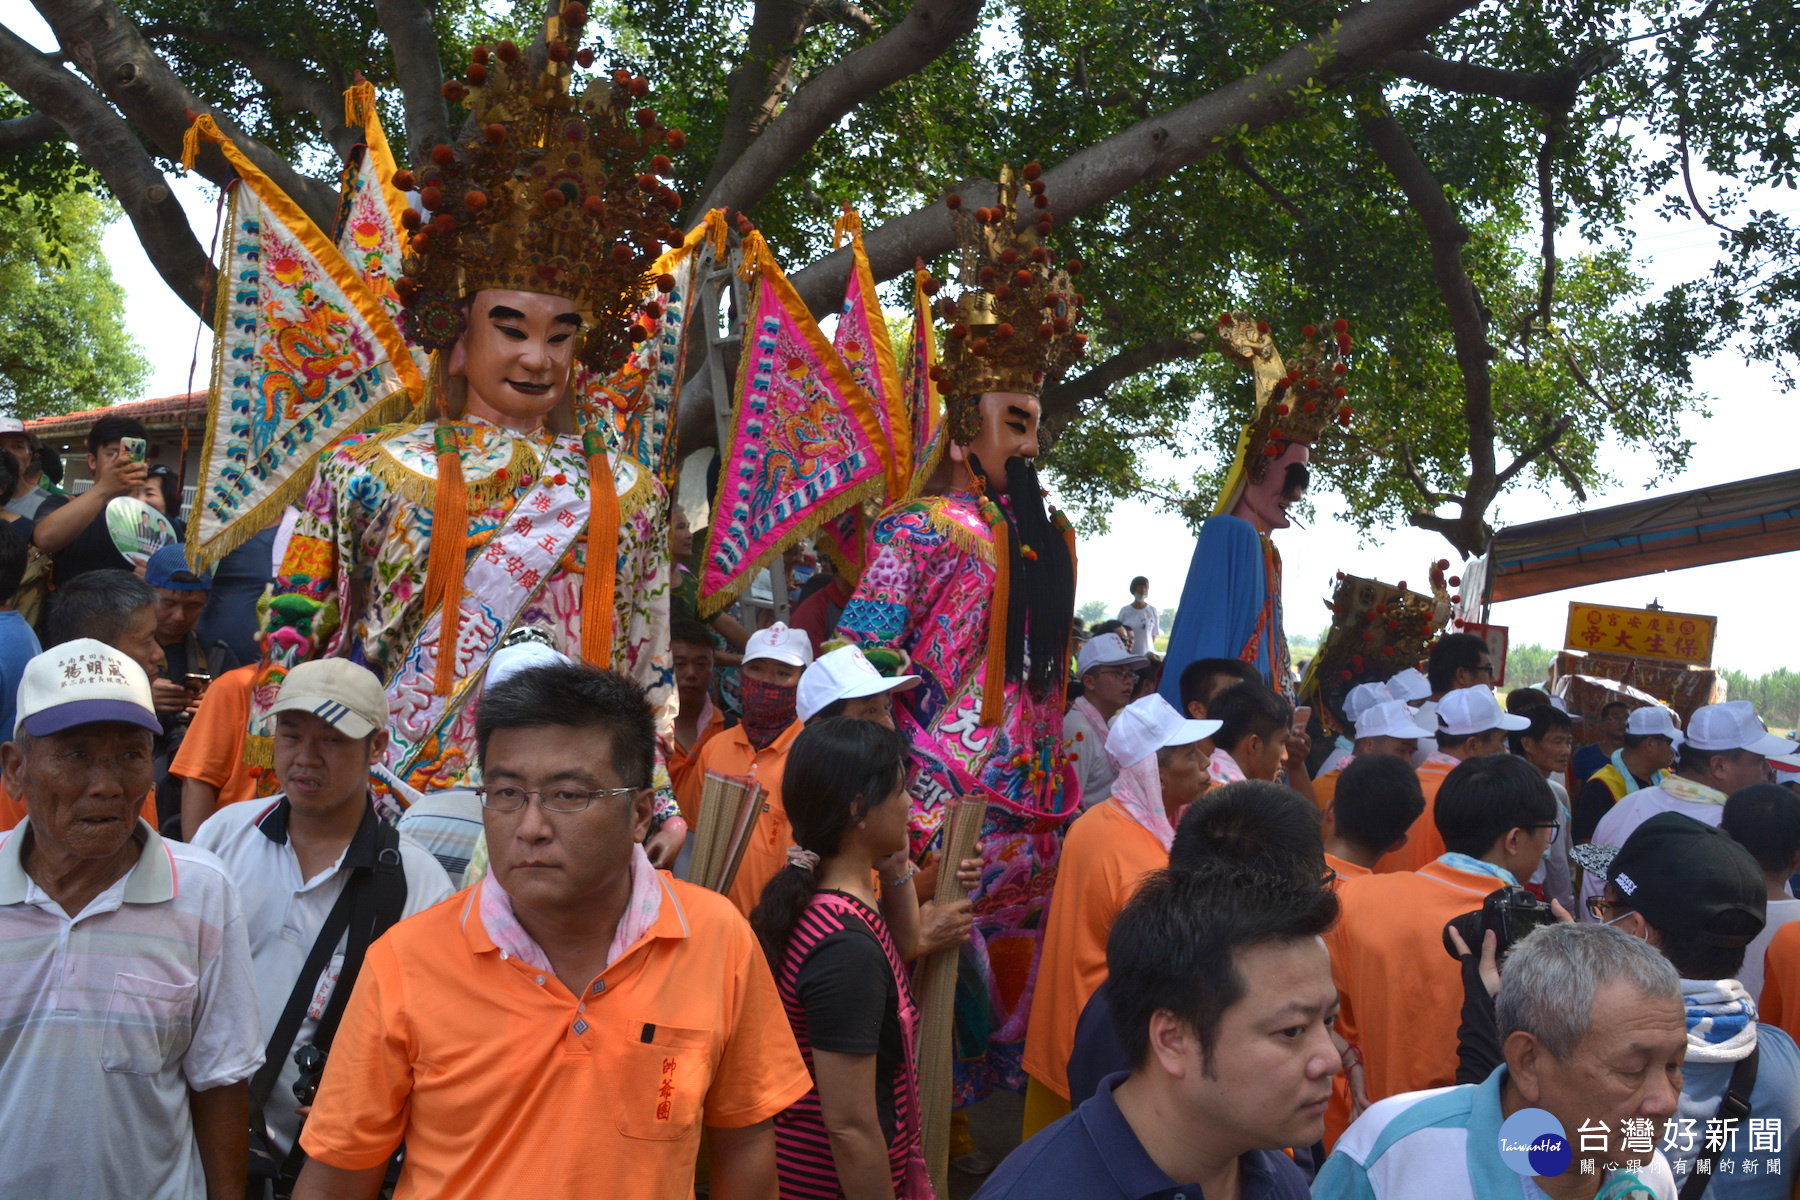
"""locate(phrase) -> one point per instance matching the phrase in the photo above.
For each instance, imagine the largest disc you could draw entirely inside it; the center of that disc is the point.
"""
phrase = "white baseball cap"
(1409, 685)
(83, 682)
(1733, 725)
(1471, 710)
(345, 695)
(1391, 719)
(1653, 720)
(11, 425)
(1104, 651)
(522, 656)
(843, 674)
(1363, 697)
(778, 642)
(1148, 724)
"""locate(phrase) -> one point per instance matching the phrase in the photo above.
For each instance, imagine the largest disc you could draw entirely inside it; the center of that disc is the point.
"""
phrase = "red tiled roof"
(164, 412)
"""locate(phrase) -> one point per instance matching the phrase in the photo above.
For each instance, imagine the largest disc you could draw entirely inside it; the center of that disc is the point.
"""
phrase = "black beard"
(1041, 593)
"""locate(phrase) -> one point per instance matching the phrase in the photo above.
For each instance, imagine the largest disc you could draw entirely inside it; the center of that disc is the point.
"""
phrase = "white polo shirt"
(284, 912)
(108, 1017)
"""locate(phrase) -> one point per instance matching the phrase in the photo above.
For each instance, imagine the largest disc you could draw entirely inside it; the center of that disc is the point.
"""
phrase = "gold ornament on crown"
(1295, 401)
(1013, 327)
(545, 190)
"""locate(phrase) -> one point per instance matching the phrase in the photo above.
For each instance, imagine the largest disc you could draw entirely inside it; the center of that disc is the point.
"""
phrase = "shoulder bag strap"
(1735, 1103)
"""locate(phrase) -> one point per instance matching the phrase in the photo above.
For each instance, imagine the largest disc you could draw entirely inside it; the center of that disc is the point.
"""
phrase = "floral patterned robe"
(353, 579)
(927, 590)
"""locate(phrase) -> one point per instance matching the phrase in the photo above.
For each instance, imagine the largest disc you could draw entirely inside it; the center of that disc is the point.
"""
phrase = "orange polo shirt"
(1325, 788)
(1105, 855)
(1345, 869)
(13, 811)
(685, 774)
(1400, 995)
(213, 751)
(1424, 844)
(1780, 1002)
(502, 1083)
(730, 753)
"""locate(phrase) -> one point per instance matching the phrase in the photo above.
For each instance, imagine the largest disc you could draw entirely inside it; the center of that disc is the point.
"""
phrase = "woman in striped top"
(839, 952)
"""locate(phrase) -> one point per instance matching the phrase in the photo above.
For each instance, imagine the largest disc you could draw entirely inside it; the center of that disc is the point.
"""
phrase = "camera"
(1511, 912)
(311, 1061)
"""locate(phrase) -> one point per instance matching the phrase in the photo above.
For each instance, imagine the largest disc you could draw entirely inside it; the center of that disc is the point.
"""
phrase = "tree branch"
(1555, 125)
(744, 174)
(1446, 233)
(1062, 402)
(1411, 470)
(1142, 153)
(1550, 89)
(300, 90)
(109, 49)
(841, 12)
(1546, 441)
(22, 133)
(412, 39)
(1237, 158)
(107, 144)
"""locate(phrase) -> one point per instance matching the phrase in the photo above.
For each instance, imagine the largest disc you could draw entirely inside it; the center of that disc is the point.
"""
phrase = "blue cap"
(168, 568)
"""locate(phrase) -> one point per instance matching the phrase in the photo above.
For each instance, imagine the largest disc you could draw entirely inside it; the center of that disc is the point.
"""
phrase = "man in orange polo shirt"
(567, 1026)
(1401, 992)
(1377, 801)
(1471, 723)
(1105, 855)
(210, 762)
(698, 720)
(757, 747)
(1382, 727)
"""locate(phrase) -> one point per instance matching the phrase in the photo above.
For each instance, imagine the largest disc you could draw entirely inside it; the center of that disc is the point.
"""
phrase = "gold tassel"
(602, 555)
(993, 683)
(449, 555)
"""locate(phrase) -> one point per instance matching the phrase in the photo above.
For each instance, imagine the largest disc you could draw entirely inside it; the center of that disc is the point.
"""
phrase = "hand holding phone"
(1302, 716)
(133, 449)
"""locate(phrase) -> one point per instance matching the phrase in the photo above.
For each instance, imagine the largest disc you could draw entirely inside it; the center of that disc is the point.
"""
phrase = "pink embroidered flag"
(369, 232)
(806, 440)
(843, 540)
(924, 407)
(863, 342)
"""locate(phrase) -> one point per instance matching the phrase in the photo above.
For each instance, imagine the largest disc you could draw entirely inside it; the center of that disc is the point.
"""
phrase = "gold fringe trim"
(709, 606)
(421, 490)
(957, 532)
(993, 680)
(259, 751)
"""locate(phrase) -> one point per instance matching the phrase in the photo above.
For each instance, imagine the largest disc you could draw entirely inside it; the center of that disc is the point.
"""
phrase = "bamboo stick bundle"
(749, 813)
(721, 805)
(936, 991)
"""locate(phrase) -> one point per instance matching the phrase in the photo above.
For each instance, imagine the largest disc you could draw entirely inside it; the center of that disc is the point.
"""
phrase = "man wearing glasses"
(1108, 671)
(571, 1023)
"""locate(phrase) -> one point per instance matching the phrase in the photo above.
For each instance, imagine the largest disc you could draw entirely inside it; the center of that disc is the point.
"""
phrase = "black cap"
(1684, 877)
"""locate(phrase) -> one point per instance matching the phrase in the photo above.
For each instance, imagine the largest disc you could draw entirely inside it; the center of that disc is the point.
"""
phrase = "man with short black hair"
(1458, 661)
(1471, 724)
(1764, 819)
(1609, 735)
(1141, 617)
(27, 453)
(698, 719)
(1204, 678)
(1547, 744)
(72, 529)
(294, 860)
(1645, 754)
(1376, 802)
(1698, 897)
(1402, 993)
(575, 982)
(1252, 738)
(1224, 1005)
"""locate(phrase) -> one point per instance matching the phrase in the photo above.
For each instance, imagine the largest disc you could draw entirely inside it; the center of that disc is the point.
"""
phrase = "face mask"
(768, 709)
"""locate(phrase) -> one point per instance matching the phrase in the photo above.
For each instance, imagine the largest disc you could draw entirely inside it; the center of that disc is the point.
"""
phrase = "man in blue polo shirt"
(1223, 1000)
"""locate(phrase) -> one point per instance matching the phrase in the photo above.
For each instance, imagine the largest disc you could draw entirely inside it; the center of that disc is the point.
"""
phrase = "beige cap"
(338, 692)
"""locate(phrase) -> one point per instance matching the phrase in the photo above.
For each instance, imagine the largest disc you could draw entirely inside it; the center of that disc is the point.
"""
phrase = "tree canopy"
(1417, 167)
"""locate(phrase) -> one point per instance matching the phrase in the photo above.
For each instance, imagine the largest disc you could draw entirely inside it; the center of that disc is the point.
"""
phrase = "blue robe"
(1226, 591)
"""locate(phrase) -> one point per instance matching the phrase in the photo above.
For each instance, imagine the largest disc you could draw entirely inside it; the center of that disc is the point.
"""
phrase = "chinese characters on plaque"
(1640, 633)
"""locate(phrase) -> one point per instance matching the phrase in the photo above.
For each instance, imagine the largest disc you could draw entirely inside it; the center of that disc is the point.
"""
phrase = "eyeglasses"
(560, 800)
(1552, 826)
(1120, 673)
(1599, 906)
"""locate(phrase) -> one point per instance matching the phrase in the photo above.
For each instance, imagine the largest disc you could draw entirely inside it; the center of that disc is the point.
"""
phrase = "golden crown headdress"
(1295, 402)
(543, 191)
(1013, 327)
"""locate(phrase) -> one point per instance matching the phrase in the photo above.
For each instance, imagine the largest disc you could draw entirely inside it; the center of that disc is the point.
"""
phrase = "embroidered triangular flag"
(924, 407)
(806, 441)
(305, 354)
(863, 342)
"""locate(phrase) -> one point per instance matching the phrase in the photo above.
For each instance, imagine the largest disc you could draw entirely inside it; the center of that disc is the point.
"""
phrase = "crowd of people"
(1266, 969)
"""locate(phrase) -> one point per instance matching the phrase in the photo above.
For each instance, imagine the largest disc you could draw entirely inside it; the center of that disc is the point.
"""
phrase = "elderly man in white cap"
(1725, 748)
(129, 1003)
(844, 683)
(1106, 854)
(1471, 723)
(774, 659)
(315, 849)
(1108, 672)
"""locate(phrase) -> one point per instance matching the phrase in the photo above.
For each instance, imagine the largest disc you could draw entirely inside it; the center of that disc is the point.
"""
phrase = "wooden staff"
(936, 990)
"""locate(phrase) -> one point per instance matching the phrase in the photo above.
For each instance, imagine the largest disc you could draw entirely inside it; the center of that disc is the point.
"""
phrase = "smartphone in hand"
(133, 449)
(1302, 715)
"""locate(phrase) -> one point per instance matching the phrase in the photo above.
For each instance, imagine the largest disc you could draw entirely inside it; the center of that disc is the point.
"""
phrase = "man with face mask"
(516, 504)
(1231, 606)
(972, 587)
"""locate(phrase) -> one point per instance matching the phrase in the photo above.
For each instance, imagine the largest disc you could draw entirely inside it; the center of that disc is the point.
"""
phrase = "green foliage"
(1094, 612)
(1526, 665)
(62, 344)
(1775, 694)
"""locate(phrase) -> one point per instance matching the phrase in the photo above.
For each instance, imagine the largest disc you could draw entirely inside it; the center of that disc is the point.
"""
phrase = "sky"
(1735, 440)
